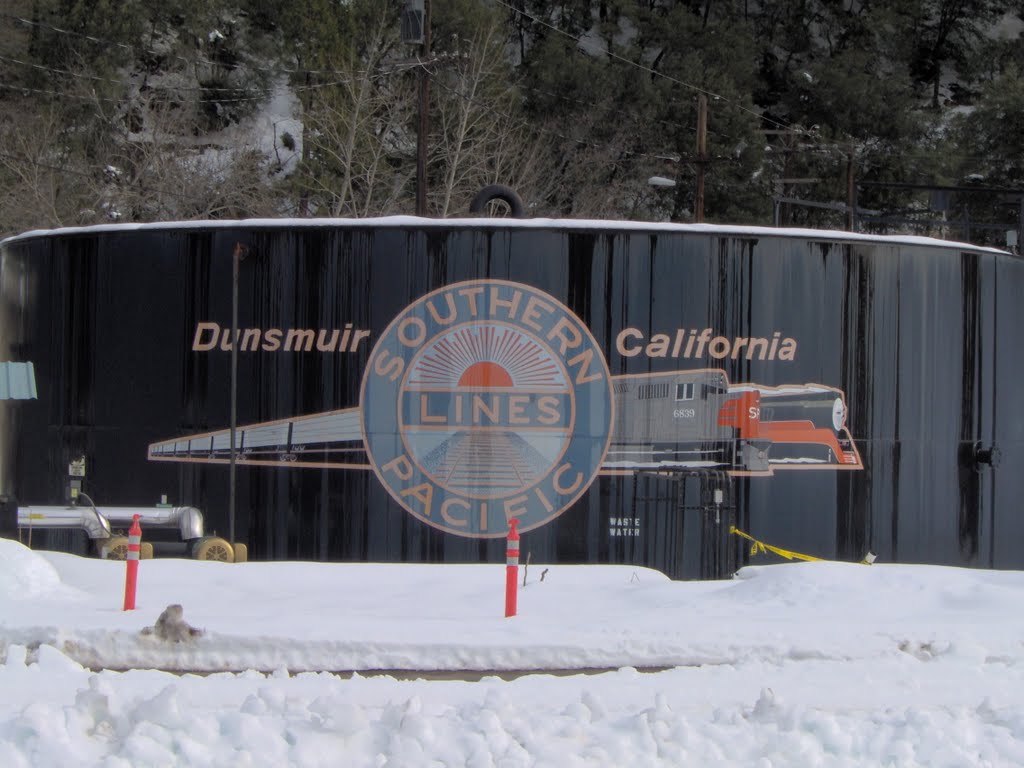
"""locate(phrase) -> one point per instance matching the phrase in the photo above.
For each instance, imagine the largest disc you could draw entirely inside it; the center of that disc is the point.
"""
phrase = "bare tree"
(357, 146)
(480, 138)
(43, 182)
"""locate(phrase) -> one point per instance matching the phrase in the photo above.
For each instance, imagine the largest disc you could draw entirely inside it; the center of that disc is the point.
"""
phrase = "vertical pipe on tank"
(235, 258)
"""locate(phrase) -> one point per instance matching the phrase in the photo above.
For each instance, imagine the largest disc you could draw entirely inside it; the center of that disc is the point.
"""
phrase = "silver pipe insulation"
(99, 521)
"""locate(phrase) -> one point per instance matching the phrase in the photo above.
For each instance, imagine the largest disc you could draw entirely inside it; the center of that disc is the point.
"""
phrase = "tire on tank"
(213, 548)
(114, 548)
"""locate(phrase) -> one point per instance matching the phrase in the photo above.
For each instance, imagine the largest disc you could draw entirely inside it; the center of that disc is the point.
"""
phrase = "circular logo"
(483, 401)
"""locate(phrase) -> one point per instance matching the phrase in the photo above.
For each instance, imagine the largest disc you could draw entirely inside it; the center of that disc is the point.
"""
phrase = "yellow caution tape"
(758, 546)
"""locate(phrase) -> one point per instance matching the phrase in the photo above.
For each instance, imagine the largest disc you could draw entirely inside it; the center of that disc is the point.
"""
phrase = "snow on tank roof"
(575, 225)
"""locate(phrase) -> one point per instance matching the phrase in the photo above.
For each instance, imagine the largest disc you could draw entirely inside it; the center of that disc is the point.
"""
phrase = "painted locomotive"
(663, 421)
(696, 419)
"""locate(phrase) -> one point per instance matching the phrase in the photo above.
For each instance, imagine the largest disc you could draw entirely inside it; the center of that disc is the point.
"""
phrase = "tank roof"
(482, 223)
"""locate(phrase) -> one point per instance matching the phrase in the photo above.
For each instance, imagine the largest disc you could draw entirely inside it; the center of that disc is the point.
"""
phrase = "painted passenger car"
(676, 420)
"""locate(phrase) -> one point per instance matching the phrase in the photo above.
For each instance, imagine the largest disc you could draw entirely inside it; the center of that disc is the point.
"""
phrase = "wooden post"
(702, 149)
(424, 116)
(851, 191)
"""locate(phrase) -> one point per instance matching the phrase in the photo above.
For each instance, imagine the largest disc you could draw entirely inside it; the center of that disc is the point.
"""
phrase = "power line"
(47, 166)
(202, 88)
(612, 55)
(79, 75)
(93, 97)
(594, 105)
(406, 65)
(94, 174)
(393, 66)
(262, 94)
(636, 155)
(95, 78)
(42, 25)
(24, 89)
(808, 135)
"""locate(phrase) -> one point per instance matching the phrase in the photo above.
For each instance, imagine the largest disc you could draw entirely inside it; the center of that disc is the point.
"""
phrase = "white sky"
(809, 664)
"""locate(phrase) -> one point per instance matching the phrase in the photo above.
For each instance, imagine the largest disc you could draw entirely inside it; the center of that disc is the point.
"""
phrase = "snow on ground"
(810, 664)
(264, 130)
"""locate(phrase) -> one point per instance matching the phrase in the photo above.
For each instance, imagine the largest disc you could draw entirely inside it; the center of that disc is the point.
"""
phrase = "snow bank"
(24, 574)
(811, 664)
(744, 716)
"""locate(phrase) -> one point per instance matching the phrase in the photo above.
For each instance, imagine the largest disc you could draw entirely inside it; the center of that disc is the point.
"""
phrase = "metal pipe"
(98, 521)
(188, 520)
(89, 519)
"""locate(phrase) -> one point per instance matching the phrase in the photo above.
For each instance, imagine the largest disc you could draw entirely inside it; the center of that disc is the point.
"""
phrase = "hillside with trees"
(150, 110)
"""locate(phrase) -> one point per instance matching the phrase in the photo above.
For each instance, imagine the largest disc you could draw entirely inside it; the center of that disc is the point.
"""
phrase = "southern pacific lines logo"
(484, 401)
(489, 399)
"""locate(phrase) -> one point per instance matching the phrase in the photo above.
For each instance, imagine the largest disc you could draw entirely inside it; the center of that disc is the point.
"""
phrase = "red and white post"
(512, 568)
(132, 563)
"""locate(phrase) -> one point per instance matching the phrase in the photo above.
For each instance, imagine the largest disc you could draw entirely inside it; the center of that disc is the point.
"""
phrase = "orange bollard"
(511, 568)
(132, 563)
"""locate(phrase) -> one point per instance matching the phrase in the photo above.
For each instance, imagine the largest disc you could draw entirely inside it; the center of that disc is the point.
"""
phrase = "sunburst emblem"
(486, 355)
(483, 401)
(486, 387)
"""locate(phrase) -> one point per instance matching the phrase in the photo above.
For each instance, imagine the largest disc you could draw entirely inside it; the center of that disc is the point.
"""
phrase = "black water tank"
(611, 376)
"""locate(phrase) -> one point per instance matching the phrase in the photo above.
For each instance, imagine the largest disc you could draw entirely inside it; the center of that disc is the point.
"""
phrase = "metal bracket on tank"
(990, 455)
(975, 455)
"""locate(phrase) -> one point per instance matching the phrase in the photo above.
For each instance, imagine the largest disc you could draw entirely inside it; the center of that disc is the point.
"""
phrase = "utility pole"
(851, 191)
(424, 121)
(702, 155)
